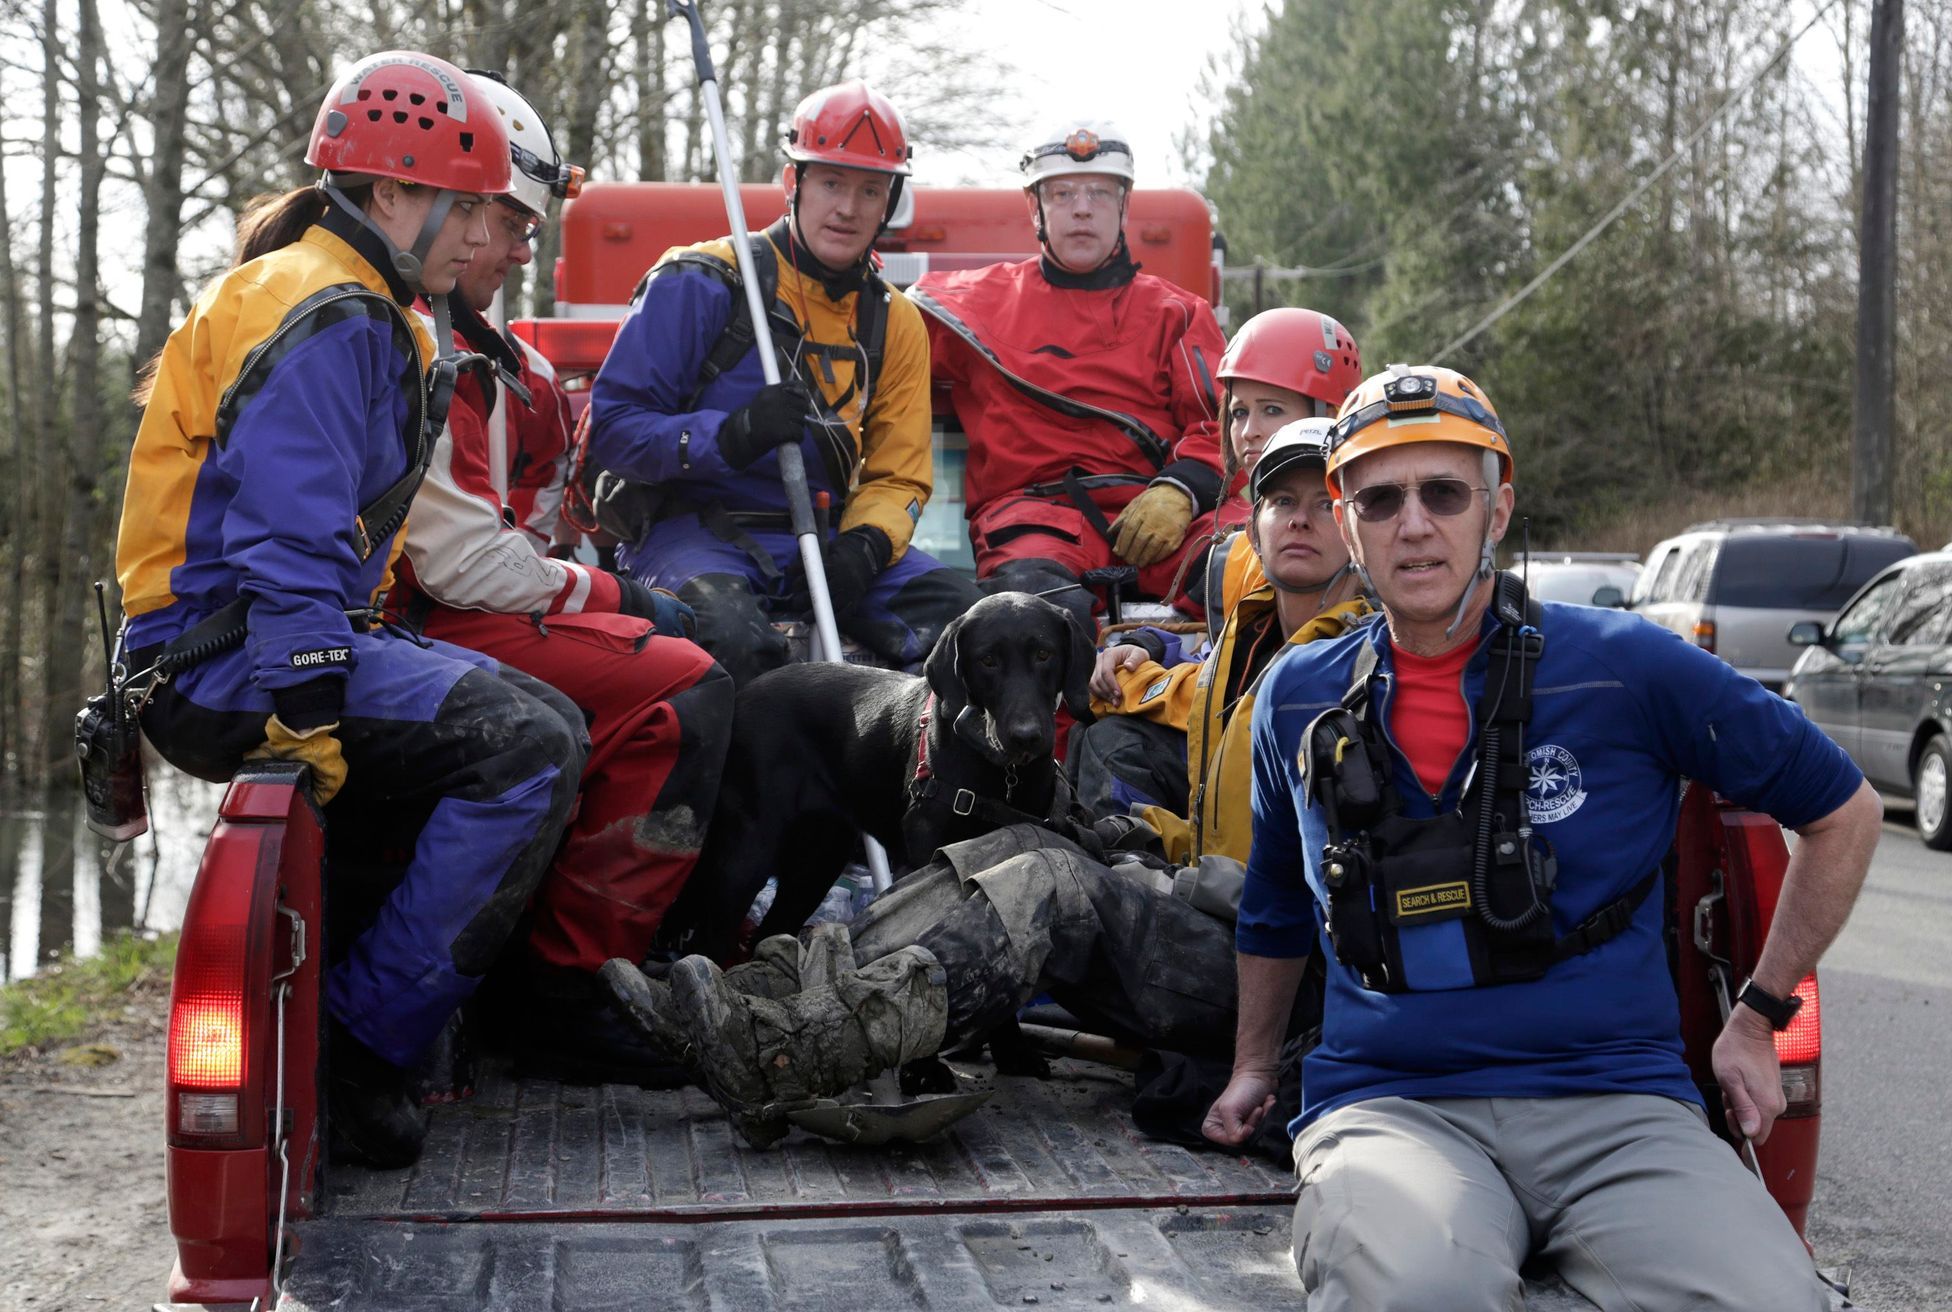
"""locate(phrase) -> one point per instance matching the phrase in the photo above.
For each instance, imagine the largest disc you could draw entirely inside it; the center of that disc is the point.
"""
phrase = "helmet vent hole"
(416, 98)
(426, 125)
(390, 94)
(372, 116)
(399, 116)
(467, 141)
(365, 93)
(440, 107)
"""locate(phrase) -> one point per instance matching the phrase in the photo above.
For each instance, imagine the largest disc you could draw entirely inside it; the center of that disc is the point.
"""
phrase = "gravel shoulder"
(82, 1216)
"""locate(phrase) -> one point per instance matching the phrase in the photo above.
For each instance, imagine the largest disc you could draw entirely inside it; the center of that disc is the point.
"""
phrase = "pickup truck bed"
(540, 1195)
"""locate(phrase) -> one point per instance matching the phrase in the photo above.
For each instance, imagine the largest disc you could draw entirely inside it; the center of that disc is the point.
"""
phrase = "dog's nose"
(1024, 735)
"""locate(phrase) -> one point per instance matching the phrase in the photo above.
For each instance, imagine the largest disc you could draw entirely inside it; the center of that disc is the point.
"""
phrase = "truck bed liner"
(535, 1195)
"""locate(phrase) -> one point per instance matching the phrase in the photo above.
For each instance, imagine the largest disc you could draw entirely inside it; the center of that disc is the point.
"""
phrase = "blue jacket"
(643, 426)
(279, 408)
(1623, 711)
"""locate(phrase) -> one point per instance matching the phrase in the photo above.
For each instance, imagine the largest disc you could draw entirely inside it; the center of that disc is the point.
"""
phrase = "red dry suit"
(1115, 339)
(659, 709)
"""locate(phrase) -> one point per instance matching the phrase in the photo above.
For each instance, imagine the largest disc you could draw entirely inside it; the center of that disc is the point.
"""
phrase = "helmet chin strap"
(1483, 572)
(409, 264)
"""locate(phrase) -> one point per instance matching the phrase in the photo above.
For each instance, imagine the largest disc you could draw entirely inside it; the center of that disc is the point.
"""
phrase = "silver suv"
(1734, 586)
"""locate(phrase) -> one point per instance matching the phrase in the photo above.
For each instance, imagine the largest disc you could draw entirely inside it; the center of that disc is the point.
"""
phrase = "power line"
(1586, 238)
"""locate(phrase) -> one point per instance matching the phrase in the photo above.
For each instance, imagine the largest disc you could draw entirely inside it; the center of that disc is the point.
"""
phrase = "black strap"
(1144, 438)
(1076, 493)
(730, 529)
(220, 631)
(1609, 922)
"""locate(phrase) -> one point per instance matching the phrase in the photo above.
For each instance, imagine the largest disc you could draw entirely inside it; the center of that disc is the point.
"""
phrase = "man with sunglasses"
(1086, 388)
(476, 572)
(1463, 812)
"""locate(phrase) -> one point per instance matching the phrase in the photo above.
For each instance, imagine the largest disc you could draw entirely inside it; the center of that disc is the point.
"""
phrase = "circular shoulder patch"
(1553, 786)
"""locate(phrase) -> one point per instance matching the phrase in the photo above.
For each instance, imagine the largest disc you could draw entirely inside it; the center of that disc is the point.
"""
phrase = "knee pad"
(733, 626)
(1039, 899)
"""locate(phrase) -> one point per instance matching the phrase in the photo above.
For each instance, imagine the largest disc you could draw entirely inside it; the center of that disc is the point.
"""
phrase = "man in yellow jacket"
(1133, 949)
(1172, 728)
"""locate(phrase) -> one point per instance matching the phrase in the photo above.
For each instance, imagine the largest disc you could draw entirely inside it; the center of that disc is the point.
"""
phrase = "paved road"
(1884, 1190)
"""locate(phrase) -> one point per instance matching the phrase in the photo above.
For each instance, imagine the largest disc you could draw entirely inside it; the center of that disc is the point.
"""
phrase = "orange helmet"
(1415, 403)
(1301, 350)
(405, 115)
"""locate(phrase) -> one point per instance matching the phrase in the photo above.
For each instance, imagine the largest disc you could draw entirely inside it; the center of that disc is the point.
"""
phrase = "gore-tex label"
(311, 660)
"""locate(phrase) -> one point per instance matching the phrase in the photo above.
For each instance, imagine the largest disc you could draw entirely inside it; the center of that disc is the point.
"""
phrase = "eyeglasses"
(522, 224)
(1067, 193)
(1381, 502)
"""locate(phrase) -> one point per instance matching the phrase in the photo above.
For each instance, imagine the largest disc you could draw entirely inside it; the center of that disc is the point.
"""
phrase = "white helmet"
(1078, 146)
(1294, 443)
(539, 171)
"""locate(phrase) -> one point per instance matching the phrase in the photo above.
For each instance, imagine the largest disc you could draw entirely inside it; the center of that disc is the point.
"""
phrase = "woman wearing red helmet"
(682, 403)
(287, 424)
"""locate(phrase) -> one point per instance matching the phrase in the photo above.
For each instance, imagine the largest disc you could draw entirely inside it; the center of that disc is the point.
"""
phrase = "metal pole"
(1875, 402)
(498, 421)
(792, 463)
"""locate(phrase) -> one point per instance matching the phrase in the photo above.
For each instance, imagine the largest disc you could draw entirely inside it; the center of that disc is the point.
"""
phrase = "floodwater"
(63, 887)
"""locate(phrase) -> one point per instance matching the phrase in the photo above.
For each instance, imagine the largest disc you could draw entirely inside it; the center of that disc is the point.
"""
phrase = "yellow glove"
(315, 747)
(1153, 525)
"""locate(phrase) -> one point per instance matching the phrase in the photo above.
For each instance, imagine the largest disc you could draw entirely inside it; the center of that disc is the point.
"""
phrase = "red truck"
(533, 1194)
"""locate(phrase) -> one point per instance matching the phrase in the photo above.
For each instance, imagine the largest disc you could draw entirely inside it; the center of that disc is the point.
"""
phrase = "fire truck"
(535, 1194)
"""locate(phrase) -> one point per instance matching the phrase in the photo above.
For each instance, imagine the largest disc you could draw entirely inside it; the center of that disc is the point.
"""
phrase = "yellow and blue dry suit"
(286, 401)
(720, 537)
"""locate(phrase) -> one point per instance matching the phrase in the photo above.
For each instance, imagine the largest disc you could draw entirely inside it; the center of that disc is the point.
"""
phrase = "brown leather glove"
(316, 747)
(1152, 526)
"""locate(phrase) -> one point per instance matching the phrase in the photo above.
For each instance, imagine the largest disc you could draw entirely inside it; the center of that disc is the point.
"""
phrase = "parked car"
(1734, 587)
(1586, 578)
(1878, 680)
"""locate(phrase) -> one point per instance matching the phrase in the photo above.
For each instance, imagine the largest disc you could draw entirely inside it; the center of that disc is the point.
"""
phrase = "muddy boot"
(369, 1105)
(773, 972)
(761, 1057)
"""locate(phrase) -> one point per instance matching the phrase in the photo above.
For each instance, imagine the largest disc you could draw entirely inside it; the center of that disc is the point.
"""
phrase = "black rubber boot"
(566, 1025)
(370, 1109)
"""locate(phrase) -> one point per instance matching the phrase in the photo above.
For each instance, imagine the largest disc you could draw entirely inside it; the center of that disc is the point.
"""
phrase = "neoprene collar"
(1116, 271)
(837, 284)
(371, 249)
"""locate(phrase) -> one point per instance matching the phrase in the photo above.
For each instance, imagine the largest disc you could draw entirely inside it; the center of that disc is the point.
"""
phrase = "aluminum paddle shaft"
(792, 462)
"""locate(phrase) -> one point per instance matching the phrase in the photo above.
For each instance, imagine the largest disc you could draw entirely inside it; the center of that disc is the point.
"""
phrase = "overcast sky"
(1136, 62)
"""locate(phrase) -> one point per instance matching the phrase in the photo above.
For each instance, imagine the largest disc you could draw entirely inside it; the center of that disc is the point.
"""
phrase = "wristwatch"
(1779, 1012)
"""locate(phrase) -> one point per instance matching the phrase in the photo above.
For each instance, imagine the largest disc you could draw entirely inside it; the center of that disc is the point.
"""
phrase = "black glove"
(667, 614)
(773, 418)
(853, 560)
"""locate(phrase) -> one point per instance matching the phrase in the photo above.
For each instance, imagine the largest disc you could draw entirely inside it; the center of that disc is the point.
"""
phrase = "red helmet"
(1302, 350)
(851, 126)
(410, 116)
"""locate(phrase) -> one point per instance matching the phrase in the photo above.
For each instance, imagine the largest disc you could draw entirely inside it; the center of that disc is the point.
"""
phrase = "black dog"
(823, 752)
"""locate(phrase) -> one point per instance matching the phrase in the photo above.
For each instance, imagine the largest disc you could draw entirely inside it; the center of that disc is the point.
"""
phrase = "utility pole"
(1877, 238)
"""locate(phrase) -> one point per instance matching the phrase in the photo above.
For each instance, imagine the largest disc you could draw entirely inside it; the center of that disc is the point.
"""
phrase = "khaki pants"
(1433, 1205)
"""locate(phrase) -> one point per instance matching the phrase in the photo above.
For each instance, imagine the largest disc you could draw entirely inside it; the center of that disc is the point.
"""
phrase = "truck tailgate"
(539, 1195)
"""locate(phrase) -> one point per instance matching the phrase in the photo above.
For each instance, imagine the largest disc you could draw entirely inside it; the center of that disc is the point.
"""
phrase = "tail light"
(217, 1008)
(1704, 634)
(1800, 1050)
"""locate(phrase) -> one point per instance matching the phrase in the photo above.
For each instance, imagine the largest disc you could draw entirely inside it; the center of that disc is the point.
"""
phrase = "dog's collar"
(924, 788)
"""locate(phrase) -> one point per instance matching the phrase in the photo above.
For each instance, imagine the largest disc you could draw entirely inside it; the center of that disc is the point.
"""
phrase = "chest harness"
(627, 509)
(1480, 865)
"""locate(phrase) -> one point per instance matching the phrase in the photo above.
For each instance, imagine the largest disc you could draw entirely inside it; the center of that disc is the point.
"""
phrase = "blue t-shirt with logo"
(1623, 711)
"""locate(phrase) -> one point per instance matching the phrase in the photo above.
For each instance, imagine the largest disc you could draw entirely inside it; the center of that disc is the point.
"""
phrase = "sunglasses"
(1381, 502)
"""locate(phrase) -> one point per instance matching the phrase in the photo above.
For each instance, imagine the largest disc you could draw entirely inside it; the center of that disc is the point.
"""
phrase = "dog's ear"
(943, 668)
(1077, 668)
